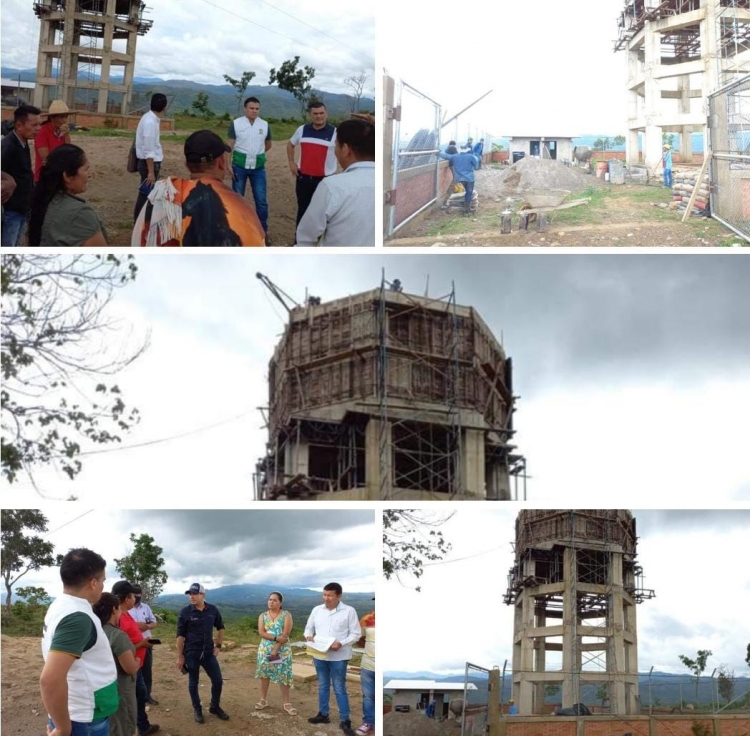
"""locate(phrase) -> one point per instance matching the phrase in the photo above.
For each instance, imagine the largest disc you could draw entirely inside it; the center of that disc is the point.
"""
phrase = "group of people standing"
(464, 163)
(201, 209)
(98, 652)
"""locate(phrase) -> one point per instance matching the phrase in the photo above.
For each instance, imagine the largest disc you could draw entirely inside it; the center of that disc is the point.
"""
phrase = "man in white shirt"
(249, 137)
(333, 619)
(142, 614)
(342, 210)
(148, 148)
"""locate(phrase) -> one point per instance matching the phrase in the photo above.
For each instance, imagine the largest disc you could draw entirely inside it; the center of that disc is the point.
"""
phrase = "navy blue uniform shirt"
(198, 627)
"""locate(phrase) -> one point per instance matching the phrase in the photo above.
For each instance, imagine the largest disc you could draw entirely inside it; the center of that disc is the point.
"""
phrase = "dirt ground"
(415, 723)
(624, 215)
(23, 713)
(112, 190)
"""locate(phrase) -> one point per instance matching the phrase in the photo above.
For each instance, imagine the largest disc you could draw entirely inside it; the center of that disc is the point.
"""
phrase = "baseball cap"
(195, 587)
(122, 587)
(204, 146)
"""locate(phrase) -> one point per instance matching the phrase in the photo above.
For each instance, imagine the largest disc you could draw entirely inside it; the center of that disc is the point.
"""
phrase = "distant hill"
(250, 599)
(275, 102)
(666, 688)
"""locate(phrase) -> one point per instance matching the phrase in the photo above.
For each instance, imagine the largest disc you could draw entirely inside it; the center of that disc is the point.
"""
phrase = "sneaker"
(364, 729)
(198, 715)
(153, 728)
(151, 701)
(219, 713)
(319, 718)
(346, 727)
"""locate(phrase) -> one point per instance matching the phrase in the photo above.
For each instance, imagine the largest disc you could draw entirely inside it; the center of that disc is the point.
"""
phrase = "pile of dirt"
(537, 173)
(415, 723)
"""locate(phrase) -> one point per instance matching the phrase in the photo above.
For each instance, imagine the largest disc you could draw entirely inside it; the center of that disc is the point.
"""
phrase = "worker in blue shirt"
(478, 150)
(666, 162)
(512, 708)
(464, 163)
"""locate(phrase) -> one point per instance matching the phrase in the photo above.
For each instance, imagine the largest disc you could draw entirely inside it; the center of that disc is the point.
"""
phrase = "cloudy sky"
(551, 66)
(285, 548)
(201, 40)
(633, 371)
(691, 559)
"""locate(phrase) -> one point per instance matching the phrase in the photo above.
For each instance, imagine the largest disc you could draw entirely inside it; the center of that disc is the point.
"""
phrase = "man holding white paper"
(333, 627)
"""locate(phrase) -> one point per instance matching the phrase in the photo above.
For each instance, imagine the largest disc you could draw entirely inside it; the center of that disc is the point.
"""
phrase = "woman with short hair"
(58, 215)
(107, 609)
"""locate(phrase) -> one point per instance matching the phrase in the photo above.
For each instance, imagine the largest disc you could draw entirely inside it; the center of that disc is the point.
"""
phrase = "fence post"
(493, 710)
(389, 92)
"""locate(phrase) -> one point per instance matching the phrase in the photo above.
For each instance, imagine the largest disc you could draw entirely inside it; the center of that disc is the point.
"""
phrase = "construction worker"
(512, 708)
(666, 162)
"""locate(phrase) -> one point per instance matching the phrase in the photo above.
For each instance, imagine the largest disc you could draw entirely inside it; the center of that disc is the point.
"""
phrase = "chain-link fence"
(475, 700)
(729, 136)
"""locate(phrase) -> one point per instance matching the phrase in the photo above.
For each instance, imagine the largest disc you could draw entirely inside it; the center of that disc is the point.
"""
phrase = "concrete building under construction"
(575, 584)
(387, 395)
(679, 52)
(80, 41)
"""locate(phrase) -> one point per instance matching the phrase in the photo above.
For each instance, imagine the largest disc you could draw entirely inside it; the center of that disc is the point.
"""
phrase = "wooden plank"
(698, 181)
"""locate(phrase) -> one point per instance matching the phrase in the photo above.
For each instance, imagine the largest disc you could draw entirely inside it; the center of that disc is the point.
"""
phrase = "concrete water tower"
(79, 43)
(575, 585)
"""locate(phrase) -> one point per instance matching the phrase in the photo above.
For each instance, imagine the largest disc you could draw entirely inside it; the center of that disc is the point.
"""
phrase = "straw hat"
(666, 146)
(58, 107)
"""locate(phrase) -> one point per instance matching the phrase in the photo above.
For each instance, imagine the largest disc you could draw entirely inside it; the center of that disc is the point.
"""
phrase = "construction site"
(386, 395)
(687, 83)
(81, 43)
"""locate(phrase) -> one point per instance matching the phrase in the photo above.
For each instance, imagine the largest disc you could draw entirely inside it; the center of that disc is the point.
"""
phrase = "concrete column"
(540, 663)
(372, 459)
(652, 145)
(683, 107)
(525, 701)
(129, 71)
(109, 28)
(631, 139)
(616, 629)
(296, 458)
(710, 47)
(493, 710)
(472, 463)
(498, 481)
(570, 655)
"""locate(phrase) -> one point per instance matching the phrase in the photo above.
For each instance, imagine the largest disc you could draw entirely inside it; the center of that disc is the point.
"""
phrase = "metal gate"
(729, 138)
(415, 176)
(474, 714)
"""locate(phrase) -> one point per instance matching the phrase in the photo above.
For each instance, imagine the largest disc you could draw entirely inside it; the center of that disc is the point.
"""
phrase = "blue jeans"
(95, 728)
(469, 187)
(668, 178)
(367, 679)
(141, 699)
(194, 661)
(332, 672)
(257, 179)
(13, 228)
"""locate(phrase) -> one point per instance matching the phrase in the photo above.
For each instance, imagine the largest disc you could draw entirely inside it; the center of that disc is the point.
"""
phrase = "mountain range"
(249, 599)
(275, 103)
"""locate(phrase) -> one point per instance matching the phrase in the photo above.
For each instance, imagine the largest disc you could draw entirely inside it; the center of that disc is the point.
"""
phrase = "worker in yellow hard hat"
(512, 708)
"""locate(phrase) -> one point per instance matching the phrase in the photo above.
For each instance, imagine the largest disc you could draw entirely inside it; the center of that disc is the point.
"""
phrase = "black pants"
(143, 172)
(194, 661)
(147, 669)
(306, 186)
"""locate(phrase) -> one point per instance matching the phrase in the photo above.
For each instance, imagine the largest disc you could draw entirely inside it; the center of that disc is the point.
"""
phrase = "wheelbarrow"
(537, 205)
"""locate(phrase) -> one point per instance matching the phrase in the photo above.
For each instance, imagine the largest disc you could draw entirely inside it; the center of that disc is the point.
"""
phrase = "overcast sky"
(691, 559)
(551, 65)
(280, 547)
(201, 40)
(633, 371)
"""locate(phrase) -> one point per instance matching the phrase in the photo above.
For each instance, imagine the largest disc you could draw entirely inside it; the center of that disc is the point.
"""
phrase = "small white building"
(544, 146)
(418, 694)
(13, 90)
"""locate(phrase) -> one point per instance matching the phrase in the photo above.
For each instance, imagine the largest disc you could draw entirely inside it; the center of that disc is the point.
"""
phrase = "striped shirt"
(317, 157)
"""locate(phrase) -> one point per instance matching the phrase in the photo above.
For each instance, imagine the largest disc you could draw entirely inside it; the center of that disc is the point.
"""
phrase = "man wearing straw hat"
(53, 134)
(666, 162)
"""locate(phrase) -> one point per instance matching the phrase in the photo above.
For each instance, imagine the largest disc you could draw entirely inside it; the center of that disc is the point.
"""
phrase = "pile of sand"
(533, 173)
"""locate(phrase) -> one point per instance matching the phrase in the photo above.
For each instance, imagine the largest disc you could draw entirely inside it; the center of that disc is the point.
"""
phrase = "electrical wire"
(62, 526)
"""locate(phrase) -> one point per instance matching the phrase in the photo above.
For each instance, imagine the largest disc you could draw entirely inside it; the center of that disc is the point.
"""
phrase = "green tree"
(551, 690)
(22, 551)
(696, 666)
(667, 139)
(747, 658)
(411, 538)
(56, 348)
(619, 140)
(34, 595)
(498, 147)
(357, 84)
(602, 693)
(144, 565)
(294, 79)
(602, 144)
(240, 85)
(726, 682)
(200, 105)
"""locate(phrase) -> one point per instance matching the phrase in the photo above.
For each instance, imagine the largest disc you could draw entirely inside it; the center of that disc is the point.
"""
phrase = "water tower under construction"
(389, 395)
(574, 586)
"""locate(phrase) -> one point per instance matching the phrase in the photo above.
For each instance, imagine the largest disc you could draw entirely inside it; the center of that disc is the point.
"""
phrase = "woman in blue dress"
(274, 652)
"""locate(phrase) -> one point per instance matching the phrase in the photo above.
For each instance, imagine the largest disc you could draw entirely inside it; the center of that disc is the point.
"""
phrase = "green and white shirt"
(70, 626)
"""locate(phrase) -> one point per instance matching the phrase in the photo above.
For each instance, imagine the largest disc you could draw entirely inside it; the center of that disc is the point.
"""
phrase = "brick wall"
(416, 187)
(85, 119)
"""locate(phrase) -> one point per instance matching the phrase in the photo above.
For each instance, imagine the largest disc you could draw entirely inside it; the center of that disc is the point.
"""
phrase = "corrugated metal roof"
(427, 685)
(15, 83)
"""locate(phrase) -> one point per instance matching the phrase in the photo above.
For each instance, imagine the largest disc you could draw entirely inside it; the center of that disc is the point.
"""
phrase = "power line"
(460, 559)
(283, 35)
(167, 439)
(69, 522)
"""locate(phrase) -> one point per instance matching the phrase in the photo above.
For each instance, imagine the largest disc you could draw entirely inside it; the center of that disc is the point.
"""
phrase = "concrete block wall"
(682, 725)
(85, 119)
